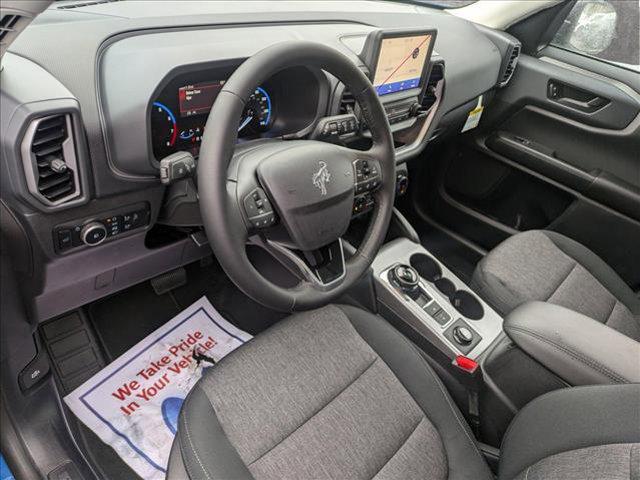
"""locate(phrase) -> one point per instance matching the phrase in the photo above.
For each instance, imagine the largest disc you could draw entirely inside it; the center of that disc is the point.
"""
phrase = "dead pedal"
(169, 281)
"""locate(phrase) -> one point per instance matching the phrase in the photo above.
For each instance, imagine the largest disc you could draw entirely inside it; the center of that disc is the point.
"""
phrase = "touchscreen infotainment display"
(401, 62)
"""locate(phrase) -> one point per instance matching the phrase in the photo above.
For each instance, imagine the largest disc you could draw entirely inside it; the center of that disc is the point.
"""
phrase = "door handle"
(597, 102)
(575, 98)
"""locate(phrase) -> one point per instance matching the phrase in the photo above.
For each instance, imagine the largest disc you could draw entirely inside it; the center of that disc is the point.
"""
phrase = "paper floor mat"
(133, 403)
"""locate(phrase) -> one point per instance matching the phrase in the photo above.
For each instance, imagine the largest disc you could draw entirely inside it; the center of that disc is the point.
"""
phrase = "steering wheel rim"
(218, 183)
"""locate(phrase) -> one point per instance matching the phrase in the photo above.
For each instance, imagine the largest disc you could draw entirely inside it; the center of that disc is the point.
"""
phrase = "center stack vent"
(347, 102)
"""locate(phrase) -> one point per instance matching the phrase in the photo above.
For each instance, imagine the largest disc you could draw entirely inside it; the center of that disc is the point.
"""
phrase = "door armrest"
(577, 348)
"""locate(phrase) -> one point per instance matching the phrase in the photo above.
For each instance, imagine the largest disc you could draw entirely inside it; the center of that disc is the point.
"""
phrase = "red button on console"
(466, 363)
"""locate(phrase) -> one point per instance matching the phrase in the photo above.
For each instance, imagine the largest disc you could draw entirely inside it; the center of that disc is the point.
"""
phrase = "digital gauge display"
(198, 99)
(257, 112)
(179, 115)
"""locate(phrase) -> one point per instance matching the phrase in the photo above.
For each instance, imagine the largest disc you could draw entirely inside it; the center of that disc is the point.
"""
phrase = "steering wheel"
(294, 198)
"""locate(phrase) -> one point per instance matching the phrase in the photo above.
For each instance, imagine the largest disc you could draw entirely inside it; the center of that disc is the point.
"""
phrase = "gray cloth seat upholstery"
(331, 393)
(578, 433)
(546, 266)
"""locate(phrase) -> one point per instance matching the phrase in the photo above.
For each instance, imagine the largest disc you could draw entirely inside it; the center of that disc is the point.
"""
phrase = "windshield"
(430, 3)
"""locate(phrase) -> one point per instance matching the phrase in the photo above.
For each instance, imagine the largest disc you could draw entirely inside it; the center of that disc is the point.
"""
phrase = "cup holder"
(445, 286)
(467, 305)
(465, 302)
(426, 267)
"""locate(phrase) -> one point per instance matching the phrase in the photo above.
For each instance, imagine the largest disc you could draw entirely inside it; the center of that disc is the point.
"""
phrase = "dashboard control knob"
(462, 335)
(406, 279)
(93, 233)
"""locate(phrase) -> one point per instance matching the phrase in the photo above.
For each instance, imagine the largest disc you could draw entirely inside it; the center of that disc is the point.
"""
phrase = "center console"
(424, 293)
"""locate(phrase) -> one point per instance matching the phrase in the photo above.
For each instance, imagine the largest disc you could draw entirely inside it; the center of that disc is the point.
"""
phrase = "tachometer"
(163, 124)
(258, 114)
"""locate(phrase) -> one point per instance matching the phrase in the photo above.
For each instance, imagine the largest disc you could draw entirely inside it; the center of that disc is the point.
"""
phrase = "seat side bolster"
(492, 290)
(570, 419)
(205, 450)
(176, 467)
(579, 349)
(465, 462)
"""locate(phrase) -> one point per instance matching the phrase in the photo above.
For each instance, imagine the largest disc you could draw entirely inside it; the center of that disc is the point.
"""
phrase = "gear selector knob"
(406, 279)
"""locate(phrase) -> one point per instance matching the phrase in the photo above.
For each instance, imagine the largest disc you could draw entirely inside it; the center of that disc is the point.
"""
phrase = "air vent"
(49, 159)
(7, 25)
(347, 102)
(85, 4)
(510, 66)
(436, 75)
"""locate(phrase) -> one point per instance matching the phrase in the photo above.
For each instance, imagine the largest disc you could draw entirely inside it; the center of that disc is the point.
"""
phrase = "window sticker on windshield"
(474, 116)
(133, 403)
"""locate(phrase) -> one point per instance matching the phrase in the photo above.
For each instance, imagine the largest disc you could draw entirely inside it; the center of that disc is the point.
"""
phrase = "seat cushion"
(610, 462)
(332, 393)
(546, 266)
(580, 433)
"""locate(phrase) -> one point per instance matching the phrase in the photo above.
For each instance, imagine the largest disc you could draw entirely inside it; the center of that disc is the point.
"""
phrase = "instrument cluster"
(180, 110)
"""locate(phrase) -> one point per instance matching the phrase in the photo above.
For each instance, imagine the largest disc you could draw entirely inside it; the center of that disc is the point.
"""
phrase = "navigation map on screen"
(400, 63)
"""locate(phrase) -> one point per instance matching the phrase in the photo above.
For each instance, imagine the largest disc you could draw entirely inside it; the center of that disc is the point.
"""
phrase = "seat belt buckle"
(470, 375)
(467, 364)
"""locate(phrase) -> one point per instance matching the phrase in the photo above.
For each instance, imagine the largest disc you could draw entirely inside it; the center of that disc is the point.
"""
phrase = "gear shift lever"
(406, 279)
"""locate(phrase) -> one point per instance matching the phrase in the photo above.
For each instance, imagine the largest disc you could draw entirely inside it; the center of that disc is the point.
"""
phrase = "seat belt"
(471, 378)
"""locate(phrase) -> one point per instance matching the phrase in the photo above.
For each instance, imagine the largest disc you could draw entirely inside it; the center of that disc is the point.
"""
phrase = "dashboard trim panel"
(228, 45)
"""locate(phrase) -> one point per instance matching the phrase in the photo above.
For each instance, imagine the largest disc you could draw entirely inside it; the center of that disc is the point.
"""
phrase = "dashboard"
(298, 97)
(285, 104)
(396, 60)
(125, 86)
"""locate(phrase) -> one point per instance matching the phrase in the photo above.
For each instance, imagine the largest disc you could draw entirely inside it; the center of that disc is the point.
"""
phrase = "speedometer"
(178, 115)
(164, 125)
(258, 113)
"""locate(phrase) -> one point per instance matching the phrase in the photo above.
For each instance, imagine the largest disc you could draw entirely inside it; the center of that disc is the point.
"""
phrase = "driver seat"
(338, 393)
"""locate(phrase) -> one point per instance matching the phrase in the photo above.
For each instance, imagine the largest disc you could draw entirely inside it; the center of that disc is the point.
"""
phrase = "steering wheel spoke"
(321, 269)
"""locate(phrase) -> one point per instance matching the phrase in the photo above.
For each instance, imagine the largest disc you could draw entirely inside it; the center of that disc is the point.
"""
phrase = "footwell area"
(122, 320)
(458, 258)
(118, 322)
(133, 403)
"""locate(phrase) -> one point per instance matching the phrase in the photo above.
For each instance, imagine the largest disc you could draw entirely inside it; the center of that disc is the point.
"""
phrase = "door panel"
(587, 149)
(600, 162)
(530, 85)
(567, 133)
(557, 149)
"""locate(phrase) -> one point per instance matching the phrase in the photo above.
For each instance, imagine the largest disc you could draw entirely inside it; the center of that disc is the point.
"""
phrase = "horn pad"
(312, 189)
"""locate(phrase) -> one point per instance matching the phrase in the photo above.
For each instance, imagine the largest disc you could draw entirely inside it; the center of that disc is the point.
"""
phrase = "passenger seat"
(549, 267)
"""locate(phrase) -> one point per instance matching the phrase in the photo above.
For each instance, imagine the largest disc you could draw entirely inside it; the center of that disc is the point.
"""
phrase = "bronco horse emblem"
(321, 178)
